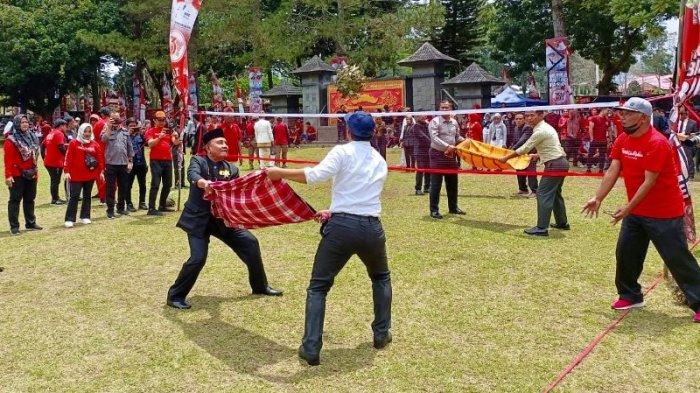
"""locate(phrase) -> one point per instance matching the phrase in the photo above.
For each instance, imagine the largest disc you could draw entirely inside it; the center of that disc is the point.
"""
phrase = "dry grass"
(477, 305)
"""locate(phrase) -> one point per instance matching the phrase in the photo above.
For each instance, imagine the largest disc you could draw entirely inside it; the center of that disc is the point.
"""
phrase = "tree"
(608, 32)
(464, 30)
(558, 18)
(657, 57)
(40, 57)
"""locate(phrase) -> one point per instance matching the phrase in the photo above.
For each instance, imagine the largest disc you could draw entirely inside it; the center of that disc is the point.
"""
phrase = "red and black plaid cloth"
(255, 201)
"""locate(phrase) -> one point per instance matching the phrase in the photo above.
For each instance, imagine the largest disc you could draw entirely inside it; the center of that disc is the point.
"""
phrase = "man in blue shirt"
(140, 168)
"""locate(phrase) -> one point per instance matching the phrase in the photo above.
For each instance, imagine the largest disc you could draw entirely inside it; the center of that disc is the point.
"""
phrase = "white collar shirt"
(358, 173)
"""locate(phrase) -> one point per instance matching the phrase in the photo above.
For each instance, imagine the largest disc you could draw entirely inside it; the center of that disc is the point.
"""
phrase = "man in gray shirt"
(119, 155)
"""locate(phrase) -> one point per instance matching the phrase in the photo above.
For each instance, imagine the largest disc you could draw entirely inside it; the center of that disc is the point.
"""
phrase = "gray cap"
(636, 104)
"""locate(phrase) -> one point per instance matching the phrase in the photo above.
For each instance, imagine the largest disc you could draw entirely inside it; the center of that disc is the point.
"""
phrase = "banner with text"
(557, 53)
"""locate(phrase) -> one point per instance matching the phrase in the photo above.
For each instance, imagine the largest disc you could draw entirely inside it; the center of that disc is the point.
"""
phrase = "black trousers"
(117, 179)
(241, 241)
(690, 152)
(138, 172)
(409, 155)
(435, 188)
(23, 191)
(75, 189)
(422, 160)
(528, 180)
(55, 175)
(572, 146)
(549, 197)
(602, 148)
(161, 171)
(668, 237)
(345, 235)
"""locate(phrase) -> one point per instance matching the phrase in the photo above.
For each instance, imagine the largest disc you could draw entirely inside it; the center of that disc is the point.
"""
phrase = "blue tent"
(508, 98)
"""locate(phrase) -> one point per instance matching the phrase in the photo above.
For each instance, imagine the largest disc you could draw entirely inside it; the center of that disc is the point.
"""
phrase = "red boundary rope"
(593, 344)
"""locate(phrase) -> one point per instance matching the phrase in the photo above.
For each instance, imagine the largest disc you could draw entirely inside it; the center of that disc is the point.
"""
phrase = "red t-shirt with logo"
(280, 132)
(600, 128)
(650, 152)
(161, 151)
(54, 157)
(233, 135)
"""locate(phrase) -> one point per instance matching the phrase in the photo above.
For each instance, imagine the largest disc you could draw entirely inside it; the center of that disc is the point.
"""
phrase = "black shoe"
(142, 206)
(458, 211)
(381, 342)
(153, 212)
(436, 215)
(419, 192)
(110, 216)
(536, 231)
(310, 360)
(166, 209)
(131, 208)
(122, 212)
(179, 304)
(426, 192)
(267, 291)
(58, 202)
(14, 231)
(564, 227)
(33, 227)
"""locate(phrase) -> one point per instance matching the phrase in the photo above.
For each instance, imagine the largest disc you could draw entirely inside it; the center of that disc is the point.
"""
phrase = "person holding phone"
(160, 140)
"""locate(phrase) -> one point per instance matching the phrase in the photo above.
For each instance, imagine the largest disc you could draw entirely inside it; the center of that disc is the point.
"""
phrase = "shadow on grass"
(248, 352)
(482, 196)
(498, 227)
(654, 324)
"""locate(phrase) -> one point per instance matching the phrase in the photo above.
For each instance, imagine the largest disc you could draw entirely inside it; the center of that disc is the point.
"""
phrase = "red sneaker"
(697, 317)
(624, 304)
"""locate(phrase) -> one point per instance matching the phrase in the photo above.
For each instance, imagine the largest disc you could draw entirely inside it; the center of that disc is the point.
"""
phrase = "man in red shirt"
(232, 134)
(598, 132)
(55, 147)
(160, 140)
(97, 130)
(654, 211)
(281, 135)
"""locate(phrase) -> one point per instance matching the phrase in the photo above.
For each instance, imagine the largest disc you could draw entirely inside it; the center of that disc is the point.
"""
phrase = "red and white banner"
(183, 15)
(557, 52)
(687, 88)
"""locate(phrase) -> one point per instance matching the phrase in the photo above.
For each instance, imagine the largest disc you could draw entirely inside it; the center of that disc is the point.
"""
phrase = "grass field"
(477, 305)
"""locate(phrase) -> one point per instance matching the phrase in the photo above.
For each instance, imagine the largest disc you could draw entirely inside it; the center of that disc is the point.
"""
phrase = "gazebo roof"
(315, 64)
(426, 54)
(474, 75)
(282, 90)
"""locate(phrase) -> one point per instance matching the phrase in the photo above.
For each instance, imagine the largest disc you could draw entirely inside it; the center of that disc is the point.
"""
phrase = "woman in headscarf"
(21, 151)
(84, 164)
(497, 132)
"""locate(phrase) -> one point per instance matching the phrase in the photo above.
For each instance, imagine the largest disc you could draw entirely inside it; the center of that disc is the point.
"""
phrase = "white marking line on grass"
(593, 344)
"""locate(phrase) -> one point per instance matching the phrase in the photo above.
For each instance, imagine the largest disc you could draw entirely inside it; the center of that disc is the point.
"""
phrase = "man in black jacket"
(689, 128)
(199, 224)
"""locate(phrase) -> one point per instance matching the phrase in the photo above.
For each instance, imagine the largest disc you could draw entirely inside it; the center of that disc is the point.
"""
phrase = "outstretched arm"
(297, 175)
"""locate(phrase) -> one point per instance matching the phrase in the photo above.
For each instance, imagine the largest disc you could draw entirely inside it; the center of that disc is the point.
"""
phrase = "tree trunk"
(95, 89)
(269, 77)
(606, 85)
(558, 18)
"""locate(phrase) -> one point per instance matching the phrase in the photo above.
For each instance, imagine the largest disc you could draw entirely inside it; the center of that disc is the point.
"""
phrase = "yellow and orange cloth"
(484, 156)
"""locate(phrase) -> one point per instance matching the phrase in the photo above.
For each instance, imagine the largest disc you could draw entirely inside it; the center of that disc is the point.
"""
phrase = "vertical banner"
(687, 88)
(137, 98)
(255, 77)
(217, 98)
(183, 15)
(557, 61)
(167, 97)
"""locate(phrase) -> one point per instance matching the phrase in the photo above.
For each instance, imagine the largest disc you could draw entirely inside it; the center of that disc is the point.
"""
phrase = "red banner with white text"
(183, 15)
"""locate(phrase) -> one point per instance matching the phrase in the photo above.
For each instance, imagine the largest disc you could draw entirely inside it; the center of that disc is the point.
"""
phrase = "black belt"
(355, 216)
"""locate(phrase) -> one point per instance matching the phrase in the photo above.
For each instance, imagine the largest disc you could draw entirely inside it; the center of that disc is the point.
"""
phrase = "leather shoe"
(381, 342)
(436, 215)
(267, 291)
(537, 231)
(458, 211)
(153, 212)
(310, 360)
(166, 209)
(564, 227)
(179, 304)
(14, 231)
(33, 227)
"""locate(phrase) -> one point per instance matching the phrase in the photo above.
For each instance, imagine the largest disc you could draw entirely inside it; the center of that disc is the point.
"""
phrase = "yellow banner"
(484, 156)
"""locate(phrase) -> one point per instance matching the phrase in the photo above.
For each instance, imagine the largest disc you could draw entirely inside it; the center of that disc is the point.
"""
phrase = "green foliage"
(40, 56)
(464, 30)
(657, 58)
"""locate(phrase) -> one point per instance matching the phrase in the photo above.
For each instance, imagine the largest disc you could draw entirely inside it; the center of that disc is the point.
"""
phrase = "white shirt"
(263, 131)
(358, 173)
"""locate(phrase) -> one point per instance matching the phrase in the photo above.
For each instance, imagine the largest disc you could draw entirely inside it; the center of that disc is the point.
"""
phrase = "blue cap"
(361, 125)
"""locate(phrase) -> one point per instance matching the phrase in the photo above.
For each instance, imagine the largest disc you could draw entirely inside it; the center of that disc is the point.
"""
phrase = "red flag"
(688, 87)
(183, 15)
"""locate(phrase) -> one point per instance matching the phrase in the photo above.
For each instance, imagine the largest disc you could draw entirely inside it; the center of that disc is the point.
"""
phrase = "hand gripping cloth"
(255, 201)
